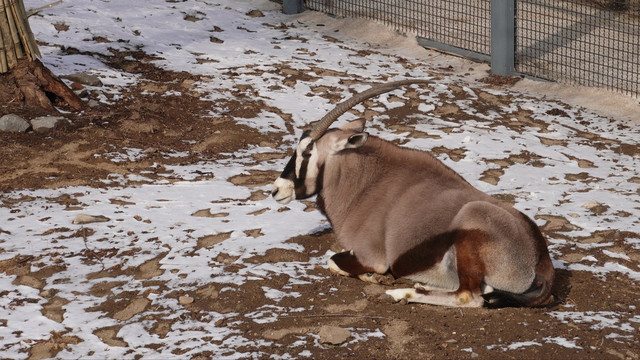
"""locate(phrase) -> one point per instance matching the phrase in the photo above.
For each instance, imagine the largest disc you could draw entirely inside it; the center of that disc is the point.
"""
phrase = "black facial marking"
(289, 171)
(299, 182)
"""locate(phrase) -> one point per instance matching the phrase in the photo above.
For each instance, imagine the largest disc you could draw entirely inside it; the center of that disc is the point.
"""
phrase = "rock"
(268, 144)
(333, 335)
(45, 123)
(590, 205)
(83, 78)
(76, 86)
(595, 207)
(215, 40)
(255, 13)
(185, 300)
(374, 290)
(83, 93)
(13, 123)
(88, 219)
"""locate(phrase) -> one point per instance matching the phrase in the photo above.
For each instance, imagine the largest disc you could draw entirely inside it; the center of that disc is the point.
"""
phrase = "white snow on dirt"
(156, 220)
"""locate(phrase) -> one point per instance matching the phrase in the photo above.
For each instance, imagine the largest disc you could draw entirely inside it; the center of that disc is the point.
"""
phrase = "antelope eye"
(306, 154)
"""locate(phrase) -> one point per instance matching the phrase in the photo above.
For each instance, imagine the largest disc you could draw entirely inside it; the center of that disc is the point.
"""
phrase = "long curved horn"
(344, 106)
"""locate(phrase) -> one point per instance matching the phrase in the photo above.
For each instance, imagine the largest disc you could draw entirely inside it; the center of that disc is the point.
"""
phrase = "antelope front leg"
(463, 298)
(346, 264)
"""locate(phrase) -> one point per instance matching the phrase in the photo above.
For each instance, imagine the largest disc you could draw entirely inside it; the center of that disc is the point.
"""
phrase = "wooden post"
(4, 67)
(16, 39)
(19, 64)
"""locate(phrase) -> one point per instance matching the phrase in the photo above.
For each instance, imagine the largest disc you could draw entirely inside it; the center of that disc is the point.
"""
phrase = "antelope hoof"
(548, 301)
(464, 297)
(404, 295)
(370, 278)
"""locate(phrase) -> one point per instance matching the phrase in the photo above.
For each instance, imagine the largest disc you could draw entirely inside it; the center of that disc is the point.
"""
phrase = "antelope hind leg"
(346, 264)
(451, 299)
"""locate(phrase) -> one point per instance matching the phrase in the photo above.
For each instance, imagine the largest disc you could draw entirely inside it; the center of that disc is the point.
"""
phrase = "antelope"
(402, 211)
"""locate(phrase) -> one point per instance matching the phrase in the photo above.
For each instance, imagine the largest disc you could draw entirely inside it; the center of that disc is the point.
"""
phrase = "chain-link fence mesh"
(592, 43)
(584, 42)
(463, 24)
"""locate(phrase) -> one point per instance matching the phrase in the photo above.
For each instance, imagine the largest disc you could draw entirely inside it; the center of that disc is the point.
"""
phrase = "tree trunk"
(19, 67)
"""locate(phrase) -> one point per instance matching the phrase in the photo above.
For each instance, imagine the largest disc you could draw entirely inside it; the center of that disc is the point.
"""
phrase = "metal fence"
(462, 26)
(582, 42)
(592, 43)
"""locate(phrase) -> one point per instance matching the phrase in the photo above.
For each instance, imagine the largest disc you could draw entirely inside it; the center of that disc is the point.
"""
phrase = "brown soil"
(144, 119)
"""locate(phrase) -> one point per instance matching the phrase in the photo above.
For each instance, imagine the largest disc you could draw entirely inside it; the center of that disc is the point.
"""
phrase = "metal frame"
(503, 34)
(290, 7)
(592, 43)
(432, 44)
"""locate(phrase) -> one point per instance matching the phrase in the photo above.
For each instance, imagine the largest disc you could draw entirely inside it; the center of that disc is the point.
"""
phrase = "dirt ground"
(144, 119)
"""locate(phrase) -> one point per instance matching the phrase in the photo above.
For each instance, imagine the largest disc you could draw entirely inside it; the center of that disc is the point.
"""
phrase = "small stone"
(13, 123)
(268, 144)
(185, 300)
(590, 205)
(374, 290)
(83, 93)
(596, 207)
(88, 219)
(333, 335)
(45, 123)
(76, 86)
(83, 78)
(255, 13)
(215, 40)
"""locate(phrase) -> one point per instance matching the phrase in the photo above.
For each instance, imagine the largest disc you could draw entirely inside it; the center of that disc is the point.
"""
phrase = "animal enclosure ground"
(188, 131)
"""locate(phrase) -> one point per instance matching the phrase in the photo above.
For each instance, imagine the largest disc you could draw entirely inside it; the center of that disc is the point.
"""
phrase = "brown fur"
(403, 210)
(424, 256)
(348, 262)
(544, 267)
(468, 244)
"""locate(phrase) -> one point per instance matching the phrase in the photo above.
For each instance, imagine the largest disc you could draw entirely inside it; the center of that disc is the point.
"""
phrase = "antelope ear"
(356, 140)
(352, 142)
(355, 125)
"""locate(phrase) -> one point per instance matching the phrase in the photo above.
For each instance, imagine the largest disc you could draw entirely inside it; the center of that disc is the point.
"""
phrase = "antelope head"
(301, 177)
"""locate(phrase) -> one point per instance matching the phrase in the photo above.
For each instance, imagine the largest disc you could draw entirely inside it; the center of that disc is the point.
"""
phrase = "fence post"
(503, 34)
(290, 7)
